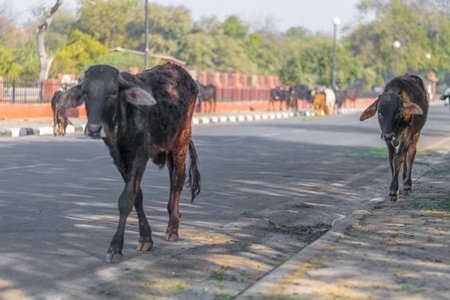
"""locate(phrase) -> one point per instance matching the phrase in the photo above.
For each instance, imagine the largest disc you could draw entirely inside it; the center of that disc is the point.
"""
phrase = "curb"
(48, 130)
(263, 116)
(45, 130)
(274, 278)
(281, 276)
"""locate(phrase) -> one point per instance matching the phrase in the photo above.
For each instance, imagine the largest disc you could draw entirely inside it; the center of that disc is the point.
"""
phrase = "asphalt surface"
(58, 202)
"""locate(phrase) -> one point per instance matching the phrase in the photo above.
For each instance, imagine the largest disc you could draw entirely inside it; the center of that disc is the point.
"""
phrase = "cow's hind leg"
(407, 168)
(177, 171)
(145, 231)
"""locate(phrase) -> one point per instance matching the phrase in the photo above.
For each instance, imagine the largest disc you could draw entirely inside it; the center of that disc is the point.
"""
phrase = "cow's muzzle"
(387, 137)
(95, 131)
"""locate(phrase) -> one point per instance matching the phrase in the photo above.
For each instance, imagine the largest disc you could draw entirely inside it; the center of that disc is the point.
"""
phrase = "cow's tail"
(194, 175)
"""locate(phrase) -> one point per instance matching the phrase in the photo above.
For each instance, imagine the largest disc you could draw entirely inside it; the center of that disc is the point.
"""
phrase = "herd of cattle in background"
(149, 116)
(324, 100)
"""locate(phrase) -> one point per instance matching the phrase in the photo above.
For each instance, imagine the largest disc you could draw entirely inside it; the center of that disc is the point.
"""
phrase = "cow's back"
(55, 100)
(175, 93)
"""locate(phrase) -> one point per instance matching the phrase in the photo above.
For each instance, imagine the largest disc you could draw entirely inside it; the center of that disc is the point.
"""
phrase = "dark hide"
(402, 111)
(353, 92)
(60, 120)
(444, 96)
(207, 95)
(341, 96)
(279, 94)
(300, 92)
(201, 95)
(141, 117)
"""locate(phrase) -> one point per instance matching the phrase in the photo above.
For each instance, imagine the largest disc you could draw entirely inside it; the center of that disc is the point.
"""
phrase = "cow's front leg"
(177, 169)
(126, 201)
(391, 152)
(407, 182)
(398, 161)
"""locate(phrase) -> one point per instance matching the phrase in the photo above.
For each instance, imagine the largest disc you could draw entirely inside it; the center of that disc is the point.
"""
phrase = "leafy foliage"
(365, 54)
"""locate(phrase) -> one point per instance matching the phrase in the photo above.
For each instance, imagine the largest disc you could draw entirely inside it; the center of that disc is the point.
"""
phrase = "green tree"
(234, 27)
(418, 25)
(264, 50)
(8, 67)
(81, 51)
(107, 20)
(198, 51)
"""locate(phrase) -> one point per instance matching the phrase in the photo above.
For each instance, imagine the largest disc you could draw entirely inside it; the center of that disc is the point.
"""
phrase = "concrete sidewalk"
(44, 126)
(388, 250)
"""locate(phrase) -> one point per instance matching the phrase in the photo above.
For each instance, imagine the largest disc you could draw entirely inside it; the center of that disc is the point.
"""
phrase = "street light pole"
(396, 45)
(146, 36)
(336, 21)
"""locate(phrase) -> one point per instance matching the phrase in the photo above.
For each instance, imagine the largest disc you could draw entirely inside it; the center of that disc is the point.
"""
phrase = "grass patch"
(178, 288)
(217, 274)
(307, 234)
(437, 205)
(369, 153)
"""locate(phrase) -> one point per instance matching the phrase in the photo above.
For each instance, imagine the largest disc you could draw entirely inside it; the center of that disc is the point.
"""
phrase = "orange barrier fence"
(34, 111)
(29, 111)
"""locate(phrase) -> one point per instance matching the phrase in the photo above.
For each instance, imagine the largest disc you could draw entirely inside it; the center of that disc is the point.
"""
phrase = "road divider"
(48, 130)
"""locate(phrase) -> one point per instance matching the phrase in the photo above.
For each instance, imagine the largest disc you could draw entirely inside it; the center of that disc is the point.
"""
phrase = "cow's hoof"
(393, 198)
(171, 236)
(407, 192)
(113, 257)
(146, 246)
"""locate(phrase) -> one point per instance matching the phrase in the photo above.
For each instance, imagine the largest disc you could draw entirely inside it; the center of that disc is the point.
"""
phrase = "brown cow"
(60, 120)
(402, 111)
(141, 117)
(319, 101)
(353, 93)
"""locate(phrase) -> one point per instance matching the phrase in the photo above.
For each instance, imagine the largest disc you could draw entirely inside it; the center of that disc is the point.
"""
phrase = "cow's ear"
(72, 98)
(138, 96)
(412, 108)
(134, 94)
(369, 112)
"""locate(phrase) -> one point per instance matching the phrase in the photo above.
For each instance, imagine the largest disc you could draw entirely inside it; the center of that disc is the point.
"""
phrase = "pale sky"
(315, 15)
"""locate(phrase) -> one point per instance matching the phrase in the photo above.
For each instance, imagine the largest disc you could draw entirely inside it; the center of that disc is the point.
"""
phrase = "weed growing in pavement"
(307, 234)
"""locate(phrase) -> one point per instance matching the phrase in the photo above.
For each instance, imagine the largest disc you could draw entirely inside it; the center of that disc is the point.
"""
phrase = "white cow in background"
(330, 100)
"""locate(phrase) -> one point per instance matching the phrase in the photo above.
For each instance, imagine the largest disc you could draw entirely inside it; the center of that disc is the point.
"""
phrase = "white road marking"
(24, 167)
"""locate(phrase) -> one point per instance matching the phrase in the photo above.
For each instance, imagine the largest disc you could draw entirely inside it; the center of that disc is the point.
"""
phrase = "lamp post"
(396, 45)
(336, 21)
(146, 36)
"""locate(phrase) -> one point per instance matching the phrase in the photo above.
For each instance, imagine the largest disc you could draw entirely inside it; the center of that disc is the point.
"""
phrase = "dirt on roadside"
(398, 250)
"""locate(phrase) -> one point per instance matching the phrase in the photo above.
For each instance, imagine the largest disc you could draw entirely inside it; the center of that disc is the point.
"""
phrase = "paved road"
(58, 200)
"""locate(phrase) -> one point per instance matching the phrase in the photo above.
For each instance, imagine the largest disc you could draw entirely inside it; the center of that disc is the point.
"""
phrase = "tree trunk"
(45, 61)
